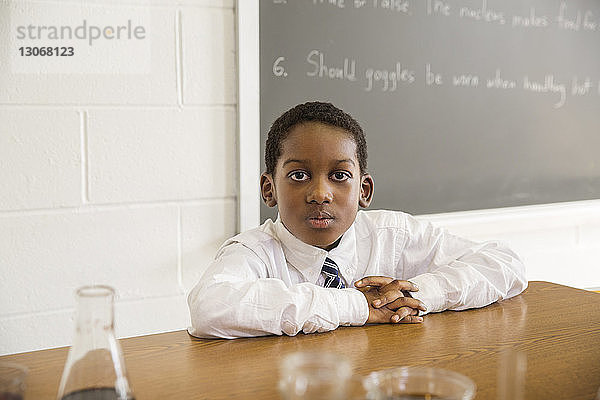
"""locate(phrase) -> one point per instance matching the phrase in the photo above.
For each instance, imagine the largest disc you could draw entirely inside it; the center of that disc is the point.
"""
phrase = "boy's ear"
(267, 189)
(367, 185)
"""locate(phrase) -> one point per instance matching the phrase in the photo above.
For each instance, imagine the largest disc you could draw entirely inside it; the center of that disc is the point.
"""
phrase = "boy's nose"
(319, 192)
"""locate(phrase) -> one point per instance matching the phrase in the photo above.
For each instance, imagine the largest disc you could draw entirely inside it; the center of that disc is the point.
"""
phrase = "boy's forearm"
(267, 306)
(477, 279)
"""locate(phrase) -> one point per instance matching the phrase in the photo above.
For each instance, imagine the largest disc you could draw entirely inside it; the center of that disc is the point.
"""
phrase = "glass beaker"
(12, 381)
(95, 369)
(312, 375)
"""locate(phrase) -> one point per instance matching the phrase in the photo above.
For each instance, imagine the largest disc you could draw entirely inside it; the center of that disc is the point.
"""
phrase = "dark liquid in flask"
(10, 396)
(417, 396)
(94, 394)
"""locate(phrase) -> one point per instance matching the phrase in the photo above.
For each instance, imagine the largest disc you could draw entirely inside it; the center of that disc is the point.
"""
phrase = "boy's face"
(317, 184)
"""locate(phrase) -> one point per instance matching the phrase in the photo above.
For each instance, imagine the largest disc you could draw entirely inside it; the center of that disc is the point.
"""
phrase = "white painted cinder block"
(152, 315)
(195, 3)
(204, 229)
(589, 231)
(208, 55)
(36, 331)
(163, 154)
(28, 332)
(107, 71)
(123, 129)
(40, 161)
(44, 258)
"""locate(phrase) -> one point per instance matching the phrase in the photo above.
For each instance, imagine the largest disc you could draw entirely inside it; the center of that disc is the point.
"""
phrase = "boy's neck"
(333, 245)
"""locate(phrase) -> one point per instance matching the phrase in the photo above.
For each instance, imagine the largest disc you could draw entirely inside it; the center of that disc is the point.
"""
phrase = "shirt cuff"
(429, 293)
(352, 307)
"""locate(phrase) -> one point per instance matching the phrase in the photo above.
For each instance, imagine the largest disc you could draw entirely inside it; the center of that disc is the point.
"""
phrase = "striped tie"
(332, 274)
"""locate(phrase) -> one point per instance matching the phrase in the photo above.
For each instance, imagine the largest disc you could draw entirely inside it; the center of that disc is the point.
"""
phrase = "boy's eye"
(298, 176)
(340, 176)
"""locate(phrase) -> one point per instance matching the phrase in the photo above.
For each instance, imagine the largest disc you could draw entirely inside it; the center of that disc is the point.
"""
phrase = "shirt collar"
(308, 259)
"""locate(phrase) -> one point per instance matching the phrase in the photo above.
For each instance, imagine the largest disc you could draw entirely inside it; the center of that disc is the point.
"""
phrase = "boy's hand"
(387, 300)
(382, 314)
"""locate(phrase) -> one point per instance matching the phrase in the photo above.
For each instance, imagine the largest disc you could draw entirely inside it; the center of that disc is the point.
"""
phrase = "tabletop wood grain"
(556, 327)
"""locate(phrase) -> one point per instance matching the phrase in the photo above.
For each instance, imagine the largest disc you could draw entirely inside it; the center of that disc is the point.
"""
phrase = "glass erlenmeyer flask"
(95, 369)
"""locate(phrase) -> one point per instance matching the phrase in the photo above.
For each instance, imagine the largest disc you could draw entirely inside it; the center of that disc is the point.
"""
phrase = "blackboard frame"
(248, 124)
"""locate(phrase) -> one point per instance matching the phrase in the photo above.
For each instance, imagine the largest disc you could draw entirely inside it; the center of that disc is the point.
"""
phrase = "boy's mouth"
(320, 220)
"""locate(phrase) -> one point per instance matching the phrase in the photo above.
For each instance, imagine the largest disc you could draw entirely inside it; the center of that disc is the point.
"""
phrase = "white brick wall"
(38, 173)
(205, 81)
(156, 87)
(126, 179)
(154, 155)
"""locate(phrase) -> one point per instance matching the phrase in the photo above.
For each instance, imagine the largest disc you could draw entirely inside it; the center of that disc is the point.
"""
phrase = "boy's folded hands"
(390, 301)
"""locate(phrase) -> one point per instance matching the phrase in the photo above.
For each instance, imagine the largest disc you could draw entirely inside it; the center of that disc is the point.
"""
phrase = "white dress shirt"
(267, 281)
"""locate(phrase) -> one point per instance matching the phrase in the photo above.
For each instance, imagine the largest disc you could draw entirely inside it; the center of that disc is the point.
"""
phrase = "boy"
(323, 263)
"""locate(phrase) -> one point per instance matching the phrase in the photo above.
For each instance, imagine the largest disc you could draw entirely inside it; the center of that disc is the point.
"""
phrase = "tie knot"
(332, 274)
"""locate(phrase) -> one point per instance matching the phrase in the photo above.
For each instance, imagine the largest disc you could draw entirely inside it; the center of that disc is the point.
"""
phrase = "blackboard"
(466, 104)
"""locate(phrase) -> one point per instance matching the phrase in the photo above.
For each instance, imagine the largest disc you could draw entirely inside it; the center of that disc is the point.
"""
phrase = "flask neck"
(95, 309)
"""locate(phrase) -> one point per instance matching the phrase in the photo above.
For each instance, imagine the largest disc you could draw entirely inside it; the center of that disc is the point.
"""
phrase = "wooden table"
(557, 327)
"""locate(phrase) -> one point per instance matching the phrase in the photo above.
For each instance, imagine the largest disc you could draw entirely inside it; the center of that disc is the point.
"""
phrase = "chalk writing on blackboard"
(389, 79)
(575, 22)
(278, 68)
(567, 18)
(438, 7)
(499, 82)
(549, 85)
(581, 87)
(372, 75)
(393, 5)
(432, 78)
(465, 80)
(345, 71)
(337, 3)
(533, 20)
(483, 13)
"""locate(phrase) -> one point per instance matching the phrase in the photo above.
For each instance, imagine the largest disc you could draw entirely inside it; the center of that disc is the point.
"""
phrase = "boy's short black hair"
(315, 111)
